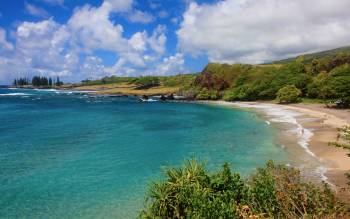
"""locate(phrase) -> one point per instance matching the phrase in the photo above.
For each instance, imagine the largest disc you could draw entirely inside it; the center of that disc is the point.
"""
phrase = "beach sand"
(317, 126)
(325, 131)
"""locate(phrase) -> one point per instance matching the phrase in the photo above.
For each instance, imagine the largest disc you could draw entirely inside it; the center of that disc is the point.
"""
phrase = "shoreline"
(324, 126)
(314, 126)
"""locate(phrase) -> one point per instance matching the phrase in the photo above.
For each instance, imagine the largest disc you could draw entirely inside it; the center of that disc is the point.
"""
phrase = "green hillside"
(326, 77)
(317, 55)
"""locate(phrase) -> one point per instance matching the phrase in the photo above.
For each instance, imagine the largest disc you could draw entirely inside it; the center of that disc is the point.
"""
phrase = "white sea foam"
(15, 94)
(63, 91)
(86, 91)
(149, 100)
(280, 115)
(46, 90)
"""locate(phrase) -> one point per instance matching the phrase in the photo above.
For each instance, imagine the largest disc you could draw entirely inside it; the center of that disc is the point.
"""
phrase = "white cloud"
(171, 65)
(138, 41)
(40, 48)
(92, 68)
(174, 20)
(118, 5)
(137, 16)
(92, 29)
(69, 50)
(4, 44)
(158, 39)
(163, 14)
(261, 30)
(36, 11)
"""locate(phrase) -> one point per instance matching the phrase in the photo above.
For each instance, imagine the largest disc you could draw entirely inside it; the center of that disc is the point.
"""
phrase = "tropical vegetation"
(288, 94)
(323, 76)
(274, 191)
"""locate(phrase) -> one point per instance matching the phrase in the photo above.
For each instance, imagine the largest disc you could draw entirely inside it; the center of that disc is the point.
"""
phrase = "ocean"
(65, 154)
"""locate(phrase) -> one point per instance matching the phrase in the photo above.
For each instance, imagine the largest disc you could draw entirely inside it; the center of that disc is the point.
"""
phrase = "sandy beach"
(316, 126)
(324, 131)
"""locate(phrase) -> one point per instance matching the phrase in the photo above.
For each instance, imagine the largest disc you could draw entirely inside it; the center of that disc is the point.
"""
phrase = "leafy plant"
(288, 94)
(275, 191)
(206, 94)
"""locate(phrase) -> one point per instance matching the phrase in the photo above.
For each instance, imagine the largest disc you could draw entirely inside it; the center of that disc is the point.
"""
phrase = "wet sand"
(325, 131)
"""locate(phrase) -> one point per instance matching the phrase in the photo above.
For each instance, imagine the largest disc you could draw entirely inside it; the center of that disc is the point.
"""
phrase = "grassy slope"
(317, 55)
(128, 89)
(127, 86)
(325, 78)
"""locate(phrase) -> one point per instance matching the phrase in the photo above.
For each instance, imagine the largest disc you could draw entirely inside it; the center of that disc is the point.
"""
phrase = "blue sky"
(151, 15)
(78, 39)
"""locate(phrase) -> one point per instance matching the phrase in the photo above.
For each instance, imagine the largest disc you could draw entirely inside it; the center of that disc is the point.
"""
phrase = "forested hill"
(318, 55)
(327, 77)
(323, 75)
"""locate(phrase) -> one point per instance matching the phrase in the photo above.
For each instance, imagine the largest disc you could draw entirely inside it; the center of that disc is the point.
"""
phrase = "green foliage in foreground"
(288, 94)
(274, 191)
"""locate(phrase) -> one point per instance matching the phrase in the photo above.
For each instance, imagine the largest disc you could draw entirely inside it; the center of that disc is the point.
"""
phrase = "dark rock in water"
(170, 97)
(163, 98)
(117, 95)
(145, 97)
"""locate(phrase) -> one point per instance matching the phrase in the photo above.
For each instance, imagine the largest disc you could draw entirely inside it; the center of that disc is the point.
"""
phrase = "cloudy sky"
(77, 39)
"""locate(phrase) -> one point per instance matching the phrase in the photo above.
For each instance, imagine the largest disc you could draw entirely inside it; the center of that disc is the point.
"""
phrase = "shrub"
(230, 95)
(190, 92)
(288, 94)
(192, 192)
(146, 80)
(239, 93)
(274, 191)
(206, 94)
(339, 81)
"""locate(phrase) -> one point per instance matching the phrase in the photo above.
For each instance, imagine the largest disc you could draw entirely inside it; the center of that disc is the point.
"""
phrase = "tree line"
(326, 78)
(38, 81)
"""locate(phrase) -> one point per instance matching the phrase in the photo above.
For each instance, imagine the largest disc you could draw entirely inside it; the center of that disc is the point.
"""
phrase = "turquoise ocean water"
(70, 155)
